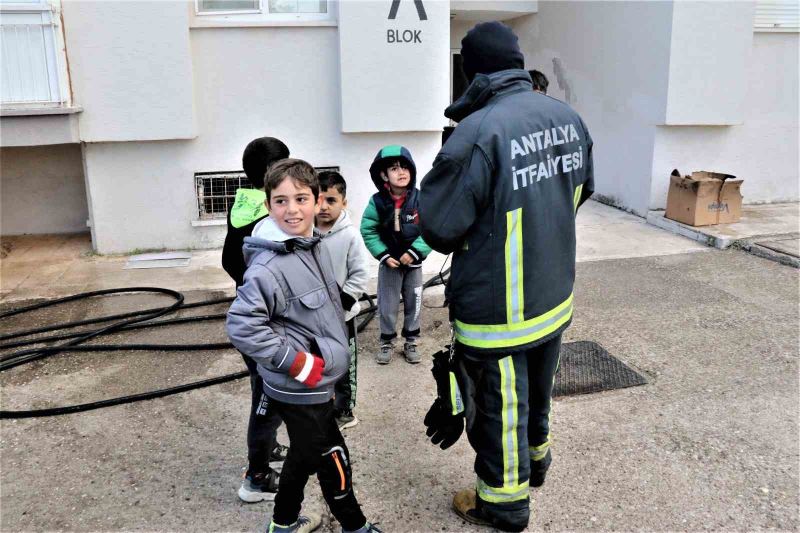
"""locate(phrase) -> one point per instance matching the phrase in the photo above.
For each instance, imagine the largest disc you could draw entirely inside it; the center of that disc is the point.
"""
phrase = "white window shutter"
(777, 16)
(30, 67)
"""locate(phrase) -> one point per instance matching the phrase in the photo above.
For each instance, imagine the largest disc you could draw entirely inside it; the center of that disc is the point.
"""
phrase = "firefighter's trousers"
(512, 420)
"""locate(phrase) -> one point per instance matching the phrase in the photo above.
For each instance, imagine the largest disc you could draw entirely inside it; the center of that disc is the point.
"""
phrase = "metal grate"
(587, 367)
(216, 191)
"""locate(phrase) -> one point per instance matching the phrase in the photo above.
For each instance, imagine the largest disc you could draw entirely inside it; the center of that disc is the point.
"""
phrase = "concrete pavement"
(59, 265)
(758, 222)
(711, 443)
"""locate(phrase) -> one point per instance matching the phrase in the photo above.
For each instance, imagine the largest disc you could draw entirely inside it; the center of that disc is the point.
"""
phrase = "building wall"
(706, 68)
(763, 150)
(130, 68)
(610, 61)
(248, 82)
(390, 66)
(42, 190)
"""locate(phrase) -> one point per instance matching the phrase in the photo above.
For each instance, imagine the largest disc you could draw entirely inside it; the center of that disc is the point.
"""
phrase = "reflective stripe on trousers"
(512, 397)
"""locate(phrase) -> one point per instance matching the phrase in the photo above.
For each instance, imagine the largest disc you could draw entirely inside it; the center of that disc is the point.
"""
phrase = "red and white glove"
(307, 368)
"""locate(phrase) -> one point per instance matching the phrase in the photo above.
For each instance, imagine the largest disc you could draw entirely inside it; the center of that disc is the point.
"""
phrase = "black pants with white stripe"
(347, 386)
(263, 424)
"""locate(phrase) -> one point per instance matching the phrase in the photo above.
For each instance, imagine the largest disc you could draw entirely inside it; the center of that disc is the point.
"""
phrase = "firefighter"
(502, 197)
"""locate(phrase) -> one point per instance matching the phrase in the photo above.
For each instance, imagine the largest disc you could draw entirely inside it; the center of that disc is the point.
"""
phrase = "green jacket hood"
(392, 151)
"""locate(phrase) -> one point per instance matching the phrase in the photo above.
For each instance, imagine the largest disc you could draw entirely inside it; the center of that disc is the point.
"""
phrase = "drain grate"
(587, 367)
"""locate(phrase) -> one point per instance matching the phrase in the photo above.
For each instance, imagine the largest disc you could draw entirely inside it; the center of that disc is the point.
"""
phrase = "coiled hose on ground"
(134, 320)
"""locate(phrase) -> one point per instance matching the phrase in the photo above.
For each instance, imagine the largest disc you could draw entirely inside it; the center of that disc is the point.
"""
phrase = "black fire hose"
(126, 322)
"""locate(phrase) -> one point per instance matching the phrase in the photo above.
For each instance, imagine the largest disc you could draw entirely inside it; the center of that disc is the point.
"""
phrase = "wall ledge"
(22, 111)
(209, 222)
(200, 23)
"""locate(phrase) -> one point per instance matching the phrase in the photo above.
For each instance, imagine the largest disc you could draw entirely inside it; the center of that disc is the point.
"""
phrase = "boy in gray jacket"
(343, 242)
(288, 317)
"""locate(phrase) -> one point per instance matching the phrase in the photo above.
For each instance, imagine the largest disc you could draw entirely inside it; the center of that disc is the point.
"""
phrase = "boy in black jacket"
(260, 481)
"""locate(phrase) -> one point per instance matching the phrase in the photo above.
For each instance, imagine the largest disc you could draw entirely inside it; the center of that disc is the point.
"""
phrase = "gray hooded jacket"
(349, 259)
(289, 303)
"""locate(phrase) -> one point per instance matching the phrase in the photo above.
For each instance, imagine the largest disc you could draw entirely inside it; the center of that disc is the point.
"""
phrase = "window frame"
(60, 72)
(262, 14)
(209, 218)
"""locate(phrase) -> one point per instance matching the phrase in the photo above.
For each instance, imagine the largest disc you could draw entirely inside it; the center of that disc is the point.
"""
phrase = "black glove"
(445, 418)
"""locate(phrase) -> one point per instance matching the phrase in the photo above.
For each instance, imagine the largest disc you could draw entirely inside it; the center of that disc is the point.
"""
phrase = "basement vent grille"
(216, 191)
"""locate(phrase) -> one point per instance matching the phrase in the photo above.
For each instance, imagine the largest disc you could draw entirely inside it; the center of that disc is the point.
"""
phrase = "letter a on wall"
(418, 3)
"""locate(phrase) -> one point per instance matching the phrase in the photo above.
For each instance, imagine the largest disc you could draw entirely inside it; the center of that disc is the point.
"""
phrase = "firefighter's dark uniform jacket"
(502, 196)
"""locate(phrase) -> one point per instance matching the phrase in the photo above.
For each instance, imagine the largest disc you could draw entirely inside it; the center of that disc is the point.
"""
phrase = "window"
(777, 16)
(253, 10)
(298, 6)
(32, 57)
(216, 191)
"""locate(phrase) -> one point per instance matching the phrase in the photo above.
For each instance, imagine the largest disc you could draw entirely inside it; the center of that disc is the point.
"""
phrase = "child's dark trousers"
(315, 447)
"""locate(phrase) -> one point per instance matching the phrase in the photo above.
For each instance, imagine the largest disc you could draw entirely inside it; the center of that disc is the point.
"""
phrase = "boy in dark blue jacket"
(260, 480)
(390, 228)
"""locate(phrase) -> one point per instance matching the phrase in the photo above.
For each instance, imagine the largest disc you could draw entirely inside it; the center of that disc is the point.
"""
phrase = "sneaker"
(278, 453)
(366, 528)
(345, 419)
(468, 506)
(304, 524)
(259, 486)
(411, 354)
(539, 469)
(384, 356)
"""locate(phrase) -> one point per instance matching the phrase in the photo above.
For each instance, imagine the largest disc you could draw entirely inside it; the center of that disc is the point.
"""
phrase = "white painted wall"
(710, 51)
(248, 82)
(42, 190)
(130, 68)
(391, 85)
(483, 10)
(609, 60)
(764, 149)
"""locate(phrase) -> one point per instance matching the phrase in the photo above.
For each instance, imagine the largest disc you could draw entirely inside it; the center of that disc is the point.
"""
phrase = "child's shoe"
(410, 352)
(367, 528)
(259, 486)
(277, 456)
(278, 453)
(384, 355)
(304, 524)
(345, 419)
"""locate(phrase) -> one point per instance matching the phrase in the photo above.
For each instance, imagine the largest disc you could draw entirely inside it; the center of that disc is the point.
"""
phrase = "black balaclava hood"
(490, 47)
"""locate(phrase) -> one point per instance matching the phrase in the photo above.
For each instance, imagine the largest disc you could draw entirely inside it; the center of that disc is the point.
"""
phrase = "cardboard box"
(704, 198)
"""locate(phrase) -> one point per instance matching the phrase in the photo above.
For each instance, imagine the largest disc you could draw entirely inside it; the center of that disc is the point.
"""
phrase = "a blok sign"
(404, 36)
(394, 59)
(400, 36)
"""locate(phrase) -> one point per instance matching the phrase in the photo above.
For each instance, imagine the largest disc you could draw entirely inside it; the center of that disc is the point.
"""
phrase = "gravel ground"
(711, 443)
